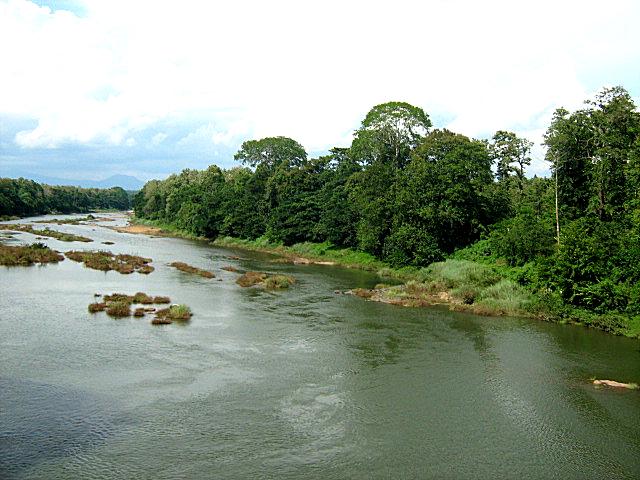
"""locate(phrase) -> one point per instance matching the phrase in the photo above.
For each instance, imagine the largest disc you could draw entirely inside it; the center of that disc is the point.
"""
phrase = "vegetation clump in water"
(249, 279)
(142, 298)
(106, 261)
(119, 309)
(75, 221)
(46, 232)
(183, 267)
(272, 282)
(119, 305)
(174, 313)
(277, 282)
(97, 307)
(24, 255)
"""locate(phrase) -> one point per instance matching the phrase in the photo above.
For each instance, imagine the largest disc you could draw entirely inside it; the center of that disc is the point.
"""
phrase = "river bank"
(462, 285)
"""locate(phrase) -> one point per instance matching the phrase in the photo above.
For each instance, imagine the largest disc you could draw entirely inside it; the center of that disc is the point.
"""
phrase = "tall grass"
(478, 286)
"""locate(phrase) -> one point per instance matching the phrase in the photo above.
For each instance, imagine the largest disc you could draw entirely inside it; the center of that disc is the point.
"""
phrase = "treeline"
(21, 197)
(403, 192)
(411, 195)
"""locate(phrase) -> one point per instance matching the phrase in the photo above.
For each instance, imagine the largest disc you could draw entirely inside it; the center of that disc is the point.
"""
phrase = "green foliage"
(522, 239)
(402, 197)
(441, 200)
(21, 197)
(511, 155)
(272, 152)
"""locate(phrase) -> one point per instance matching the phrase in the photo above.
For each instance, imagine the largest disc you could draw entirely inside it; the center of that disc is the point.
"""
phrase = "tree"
(338, 216)
(270, 152)
(511, 155)
(383, 145)
(389, 132)
(441, 201)
(569, 150)
(616, 127)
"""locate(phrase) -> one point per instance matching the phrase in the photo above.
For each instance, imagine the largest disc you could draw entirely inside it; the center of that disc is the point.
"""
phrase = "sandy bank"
(139, 229)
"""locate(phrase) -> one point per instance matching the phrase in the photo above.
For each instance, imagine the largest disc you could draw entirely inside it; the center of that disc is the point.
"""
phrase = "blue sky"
(146, 88)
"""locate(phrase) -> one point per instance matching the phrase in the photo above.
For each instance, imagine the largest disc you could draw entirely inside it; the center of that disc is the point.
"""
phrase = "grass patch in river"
(119, 309)
(183, 267)
(97, 307)
(173, 313)
(249, 279)
(24, 255)
(119, 305)
(143, 298)
(106, 261)
(46, 232)
(271, 282)
(277, 282)
(75, 221)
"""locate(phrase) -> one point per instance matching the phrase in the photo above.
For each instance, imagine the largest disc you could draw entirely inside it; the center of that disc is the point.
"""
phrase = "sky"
(93, 88)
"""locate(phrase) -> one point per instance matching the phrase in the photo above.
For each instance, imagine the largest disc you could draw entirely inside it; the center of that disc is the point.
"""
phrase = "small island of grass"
(271, 282)
(45, 232)
(106, 261)
(183, 267)
(119, 305)
(174, 313)
(24, 255)
(75, 221)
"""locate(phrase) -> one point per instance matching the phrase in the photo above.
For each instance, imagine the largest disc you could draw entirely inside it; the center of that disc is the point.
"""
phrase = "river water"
(302, 383)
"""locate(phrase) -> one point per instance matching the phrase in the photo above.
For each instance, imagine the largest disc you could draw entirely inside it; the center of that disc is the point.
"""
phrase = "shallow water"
(302, 383)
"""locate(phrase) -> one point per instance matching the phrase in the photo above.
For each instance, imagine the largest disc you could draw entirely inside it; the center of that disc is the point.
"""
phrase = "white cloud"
(306, 70)
(158, 138)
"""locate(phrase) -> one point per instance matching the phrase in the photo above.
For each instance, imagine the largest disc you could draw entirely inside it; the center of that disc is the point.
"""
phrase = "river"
(302, 383)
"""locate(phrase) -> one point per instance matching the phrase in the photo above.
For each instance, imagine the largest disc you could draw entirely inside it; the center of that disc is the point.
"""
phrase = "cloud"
(100, 74)
(158, 138)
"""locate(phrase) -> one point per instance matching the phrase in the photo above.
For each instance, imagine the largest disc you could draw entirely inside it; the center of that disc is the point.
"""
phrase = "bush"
(119, 309)
(278, 282)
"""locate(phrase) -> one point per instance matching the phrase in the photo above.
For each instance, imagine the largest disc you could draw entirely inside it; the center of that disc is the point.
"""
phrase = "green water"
(304, 383)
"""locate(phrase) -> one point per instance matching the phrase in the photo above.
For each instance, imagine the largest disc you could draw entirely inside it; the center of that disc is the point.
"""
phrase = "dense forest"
(412, 195)
(22, 198)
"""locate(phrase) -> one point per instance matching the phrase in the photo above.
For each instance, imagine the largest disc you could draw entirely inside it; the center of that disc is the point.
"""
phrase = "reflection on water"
(40, 422)
(294, 384)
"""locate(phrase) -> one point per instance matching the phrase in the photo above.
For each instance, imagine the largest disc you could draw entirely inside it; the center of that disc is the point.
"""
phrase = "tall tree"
(383, 145)
(270, 152)
(441, 199)
(511, 155)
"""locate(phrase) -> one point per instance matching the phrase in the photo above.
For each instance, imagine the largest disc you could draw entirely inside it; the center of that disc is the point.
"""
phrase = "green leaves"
(272, 152)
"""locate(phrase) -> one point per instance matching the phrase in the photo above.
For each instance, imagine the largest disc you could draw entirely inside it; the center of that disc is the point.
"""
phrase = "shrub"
(97, 307)
(278, 282)
(119, 309)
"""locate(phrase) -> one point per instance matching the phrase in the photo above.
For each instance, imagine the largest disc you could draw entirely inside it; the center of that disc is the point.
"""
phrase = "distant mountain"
(125, 181)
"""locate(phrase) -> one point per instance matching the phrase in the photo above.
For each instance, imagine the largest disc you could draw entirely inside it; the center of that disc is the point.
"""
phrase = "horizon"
(126, 98)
